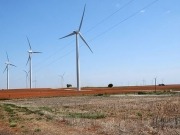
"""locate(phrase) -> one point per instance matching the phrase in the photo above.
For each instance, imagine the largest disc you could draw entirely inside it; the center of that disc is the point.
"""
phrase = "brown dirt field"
(5, 129)
(48, 92)
(92, 115)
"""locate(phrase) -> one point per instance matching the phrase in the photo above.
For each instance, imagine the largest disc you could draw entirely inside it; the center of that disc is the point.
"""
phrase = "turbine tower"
(78, 34)
(7, 69)
(30, 62)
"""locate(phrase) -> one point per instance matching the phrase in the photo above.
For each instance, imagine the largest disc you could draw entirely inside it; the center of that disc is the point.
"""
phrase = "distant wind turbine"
(7, 69)
(77, 33)
(35, 82)
(62, 79)
(26, 76)
(30, 62)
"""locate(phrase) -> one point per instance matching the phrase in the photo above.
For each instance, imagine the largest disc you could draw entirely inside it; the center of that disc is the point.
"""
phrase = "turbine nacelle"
(76, 32)
(7, 63)
(30, 51)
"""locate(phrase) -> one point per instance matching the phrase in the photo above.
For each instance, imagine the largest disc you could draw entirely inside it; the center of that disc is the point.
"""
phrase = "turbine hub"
(76, 32)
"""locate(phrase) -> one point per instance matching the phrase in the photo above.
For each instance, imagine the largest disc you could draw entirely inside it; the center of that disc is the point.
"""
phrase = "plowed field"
(48, 92)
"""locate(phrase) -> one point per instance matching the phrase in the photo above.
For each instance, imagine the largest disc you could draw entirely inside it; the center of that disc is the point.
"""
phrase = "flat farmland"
(92, 115)
(92, 111)
(48, 92)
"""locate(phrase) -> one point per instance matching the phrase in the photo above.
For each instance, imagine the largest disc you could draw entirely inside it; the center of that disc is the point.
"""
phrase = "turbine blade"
(25, 72)
(68, 35)
(7, 56)
(36, 52)
(82, 18)
(29, 43)
(12, 65)
(61, 77)
(28, 60)
(5, 69)
(85, 42)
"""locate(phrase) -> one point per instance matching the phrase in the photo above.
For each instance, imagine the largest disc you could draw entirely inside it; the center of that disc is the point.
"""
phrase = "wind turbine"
(30, 62)
(7, 69)
(35, 82)
(62, 79)
(26, 76)
(77, 33)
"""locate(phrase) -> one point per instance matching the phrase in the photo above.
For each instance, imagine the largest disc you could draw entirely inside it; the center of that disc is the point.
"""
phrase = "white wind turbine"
(7, 69)
(62, 79)
(77, 33)
(30, 62)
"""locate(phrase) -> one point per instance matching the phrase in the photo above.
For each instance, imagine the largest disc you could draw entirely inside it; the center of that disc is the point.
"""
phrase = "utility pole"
(144, 82)
(155, 84)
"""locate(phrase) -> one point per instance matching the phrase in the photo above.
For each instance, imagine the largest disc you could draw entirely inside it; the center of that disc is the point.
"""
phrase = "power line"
(103, 20)
(57, 51)
(112, 27)
(49, 64)
(109, 16)
(129, 17)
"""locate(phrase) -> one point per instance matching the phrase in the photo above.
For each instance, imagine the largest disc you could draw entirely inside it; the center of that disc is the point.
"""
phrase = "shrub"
(141, 93)
(69, 85)
(87, 115)
(13, 124)
(110, 85)
(100, 94)
(37, 130)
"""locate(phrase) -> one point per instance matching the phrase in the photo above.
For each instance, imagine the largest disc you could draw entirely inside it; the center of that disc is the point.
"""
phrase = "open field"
(92, 111)
(91, 115)
(47, 92)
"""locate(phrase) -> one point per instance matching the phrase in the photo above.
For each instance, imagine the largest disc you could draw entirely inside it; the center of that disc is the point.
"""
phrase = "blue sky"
(133, 41)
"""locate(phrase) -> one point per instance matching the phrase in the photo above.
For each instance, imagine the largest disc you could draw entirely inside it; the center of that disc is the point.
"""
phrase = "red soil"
(47, 92)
